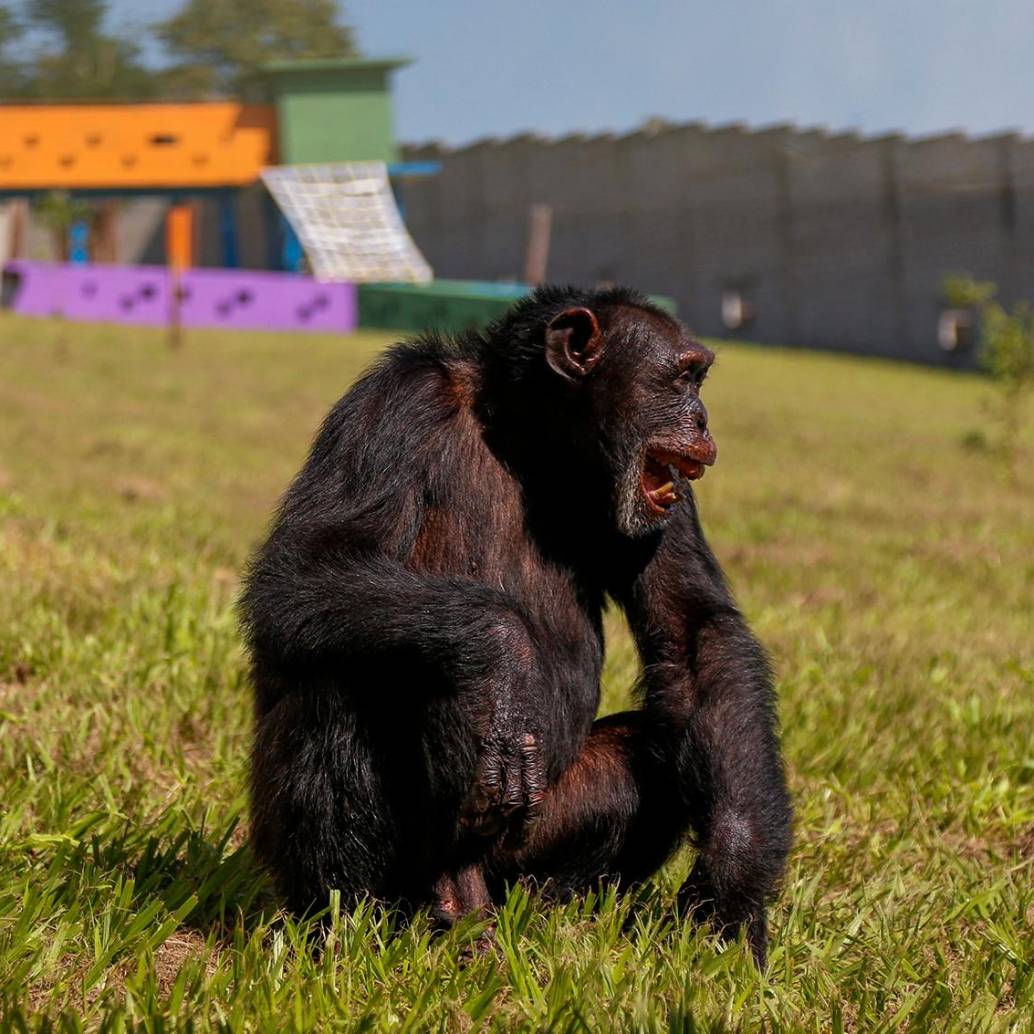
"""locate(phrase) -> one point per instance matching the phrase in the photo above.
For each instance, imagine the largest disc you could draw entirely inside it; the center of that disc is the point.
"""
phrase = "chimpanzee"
(425, 628)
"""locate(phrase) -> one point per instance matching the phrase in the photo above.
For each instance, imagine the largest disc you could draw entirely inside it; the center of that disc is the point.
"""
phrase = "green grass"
(889, 569)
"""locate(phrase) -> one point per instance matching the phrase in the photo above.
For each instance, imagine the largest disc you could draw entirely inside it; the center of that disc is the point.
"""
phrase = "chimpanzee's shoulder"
(431, 370)
(423, 360)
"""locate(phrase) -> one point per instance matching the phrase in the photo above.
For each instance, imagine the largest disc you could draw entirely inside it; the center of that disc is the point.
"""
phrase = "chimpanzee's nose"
(699, 418)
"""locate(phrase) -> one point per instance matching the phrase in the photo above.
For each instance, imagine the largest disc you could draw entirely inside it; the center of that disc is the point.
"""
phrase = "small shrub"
(1007, 353)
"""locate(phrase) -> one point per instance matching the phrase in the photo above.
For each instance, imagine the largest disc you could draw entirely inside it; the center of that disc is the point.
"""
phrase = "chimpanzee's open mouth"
(662, 472)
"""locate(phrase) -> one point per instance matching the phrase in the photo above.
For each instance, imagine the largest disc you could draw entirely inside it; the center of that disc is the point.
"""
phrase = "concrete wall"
(836, 241)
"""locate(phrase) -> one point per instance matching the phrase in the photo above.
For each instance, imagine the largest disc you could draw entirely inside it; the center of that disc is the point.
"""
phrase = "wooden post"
(536, 256)
(19, 209)
(103, 242)
(179, 254)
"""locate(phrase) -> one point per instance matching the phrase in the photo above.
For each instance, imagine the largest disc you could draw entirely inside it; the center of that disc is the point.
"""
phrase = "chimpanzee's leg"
(439, 707)
(617, 814)
(365, 800)
(610, 815)
(351, 792)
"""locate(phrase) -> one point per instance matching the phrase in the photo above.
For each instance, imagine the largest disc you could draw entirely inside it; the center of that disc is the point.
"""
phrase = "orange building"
(135, 147)
(200, 156)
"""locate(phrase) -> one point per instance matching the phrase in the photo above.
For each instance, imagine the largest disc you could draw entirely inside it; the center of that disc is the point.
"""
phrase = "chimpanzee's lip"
(663, 470)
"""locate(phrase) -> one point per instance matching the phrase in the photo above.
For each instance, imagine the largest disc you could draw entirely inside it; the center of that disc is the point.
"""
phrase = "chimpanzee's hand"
(509, 780)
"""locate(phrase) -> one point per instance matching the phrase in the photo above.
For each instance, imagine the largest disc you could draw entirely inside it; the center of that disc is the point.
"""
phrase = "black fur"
(425, 627)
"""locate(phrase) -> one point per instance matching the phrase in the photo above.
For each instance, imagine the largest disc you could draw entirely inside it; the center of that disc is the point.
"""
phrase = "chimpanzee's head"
(637, 373)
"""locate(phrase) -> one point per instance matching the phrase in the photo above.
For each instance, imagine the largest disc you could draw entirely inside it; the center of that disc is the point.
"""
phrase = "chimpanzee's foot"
(460, 894)
(464, 893)
(698, 900)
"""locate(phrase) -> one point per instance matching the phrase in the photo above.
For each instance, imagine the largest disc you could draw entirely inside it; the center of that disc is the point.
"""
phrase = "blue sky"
(489, 68)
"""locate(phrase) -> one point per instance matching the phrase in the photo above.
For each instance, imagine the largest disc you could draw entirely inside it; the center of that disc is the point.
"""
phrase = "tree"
(9, 26)
(220, 44)
(1007, 353)
(59, 211)
(12, 75)
(77, 59)
(76, 21)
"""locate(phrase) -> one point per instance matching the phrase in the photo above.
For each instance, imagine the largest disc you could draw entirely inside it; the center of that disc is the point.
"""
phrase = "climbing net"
(346, 219)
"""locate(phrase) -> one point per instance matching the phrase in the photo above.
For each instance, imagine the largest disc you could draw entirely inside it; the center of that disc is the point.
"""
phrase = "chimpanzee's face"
(643, 374)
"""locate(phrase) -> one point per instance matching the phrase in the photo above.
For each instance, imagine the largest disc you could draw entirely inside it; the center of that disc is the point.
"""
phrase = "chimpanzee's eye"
(692, 375)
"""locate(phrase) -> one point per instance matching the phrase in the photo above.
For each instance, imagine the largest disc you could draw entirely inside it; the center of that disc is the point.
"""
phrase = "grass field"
(889, 569)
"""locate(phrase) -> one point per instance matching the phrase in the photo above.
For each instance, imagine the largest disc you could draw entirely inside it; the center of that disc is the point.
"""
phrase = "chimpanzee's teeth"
(676, 475)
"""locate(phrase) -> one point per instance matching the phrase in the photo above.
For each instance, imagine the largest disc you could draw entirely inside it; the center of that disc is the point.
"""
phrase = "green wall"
(334, 110)
(447, 305)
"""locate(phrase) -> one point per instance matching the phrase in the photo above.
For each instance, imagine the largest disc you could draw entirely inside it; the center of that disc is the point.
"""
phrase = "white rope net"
(346, 219)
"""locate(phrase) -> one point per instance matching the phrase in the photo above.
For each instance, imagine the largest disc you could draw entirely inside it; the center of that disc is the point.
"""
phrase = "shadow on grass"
(176, 874)
(209, 879)
(210, 882)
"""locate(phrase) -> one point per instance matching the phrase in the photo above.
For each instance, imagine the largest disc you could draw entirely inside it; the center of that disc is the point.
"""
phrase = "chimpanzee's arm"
(329, 602)
(330, 583)
(311, 603)
(335, 618)
(711, 705)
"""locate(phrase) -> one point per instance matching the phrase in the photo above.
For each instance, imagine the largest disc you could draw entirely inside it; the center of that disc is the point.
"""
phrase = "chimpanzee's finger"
(532, 772)
(513, 793)
(490, 778)
(484, 794)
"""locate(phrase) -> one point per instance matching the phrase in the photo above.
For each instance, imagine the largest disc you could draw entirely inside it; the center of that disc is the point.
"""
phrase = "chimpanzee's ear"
(574, 343)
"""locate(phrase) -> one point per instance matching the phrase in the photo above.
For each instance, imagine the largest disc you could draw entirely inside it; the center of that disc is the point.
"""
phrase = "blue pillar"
(291, 255)
(228, 230)
(79, 242)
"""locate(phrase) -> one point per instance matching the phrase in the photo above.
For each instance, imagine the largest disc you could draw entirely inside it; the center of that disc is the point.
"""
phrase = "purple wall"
(240, 299)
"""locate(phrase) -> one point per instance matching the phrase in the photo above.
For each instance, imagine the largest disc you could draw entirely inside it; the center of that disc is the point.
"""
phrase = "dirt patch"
(139, 490)
(172, 955)
(1025, 846)
(169, 958)
(18, 692)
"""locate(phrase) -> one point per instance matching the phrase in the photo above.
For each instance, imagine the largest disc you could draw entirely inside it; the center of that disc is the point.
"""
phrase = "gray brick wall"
(836, 241)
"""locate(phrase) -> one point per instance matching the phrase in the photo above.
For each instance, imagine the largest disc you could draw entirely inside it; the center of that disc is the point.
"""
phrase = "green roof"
(336, 64)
